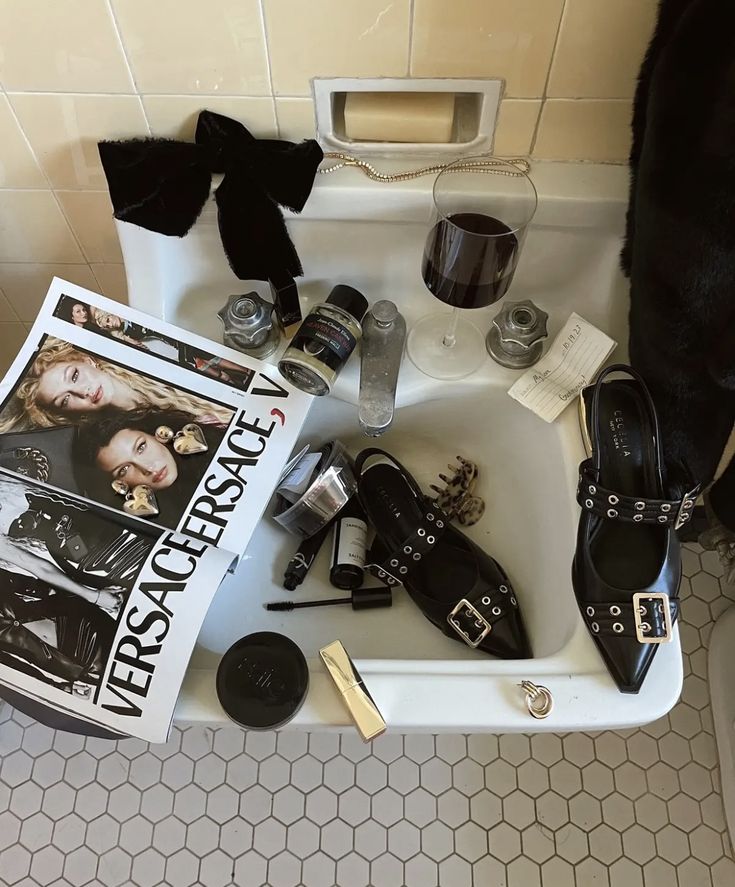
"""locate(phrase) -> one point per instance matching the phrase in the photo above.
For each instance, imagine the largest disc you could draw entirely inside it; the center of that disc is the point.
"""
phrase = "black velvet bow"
(162, 185)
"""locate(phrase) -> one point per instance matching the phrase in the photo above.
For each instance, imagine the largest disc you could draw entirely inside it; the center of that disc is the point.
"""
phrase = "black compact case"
(262, 680)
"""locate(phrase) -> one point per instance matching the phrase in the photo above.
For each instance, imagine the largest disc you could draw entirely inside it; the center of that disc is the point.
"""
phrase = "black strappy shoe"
(458, 587)
(627, 566)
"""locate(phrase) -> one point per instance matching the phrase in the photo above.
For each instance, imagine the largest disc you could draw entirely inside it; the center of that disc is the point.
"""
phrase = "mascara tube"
(301, 562)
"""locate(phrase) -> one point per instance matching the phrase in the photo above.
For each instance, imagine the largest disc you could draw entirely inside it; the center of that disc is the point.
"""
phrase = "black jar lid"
(262, 680)
(349, 299)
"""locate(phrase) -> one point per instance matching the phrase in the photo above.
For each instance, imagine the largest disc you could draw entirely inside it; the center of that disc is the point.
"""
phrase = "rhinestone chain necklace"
(479, 164)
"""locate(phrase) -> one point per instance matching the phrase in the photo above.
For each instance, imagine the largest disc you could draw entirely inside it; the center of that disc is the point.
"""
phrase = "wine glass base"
(427, 351)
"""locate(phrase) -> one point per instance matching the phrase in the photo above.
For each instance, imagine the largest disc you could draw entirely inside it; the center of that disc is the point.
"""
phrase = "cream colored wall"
(75, 71)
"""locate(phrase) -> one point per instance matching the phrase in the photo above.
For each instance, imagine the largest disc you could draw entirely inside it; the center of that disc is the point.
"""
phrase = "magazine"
(136, 459)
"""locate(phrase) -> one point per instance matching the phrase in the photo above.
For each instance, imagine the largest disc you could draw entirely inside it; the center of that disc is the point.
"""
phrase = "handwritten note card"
(571, 362)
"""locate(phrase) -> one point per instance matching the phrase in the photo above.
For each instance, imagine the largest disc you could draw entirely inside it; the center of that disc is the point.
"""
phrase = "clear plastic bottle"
(325, 340)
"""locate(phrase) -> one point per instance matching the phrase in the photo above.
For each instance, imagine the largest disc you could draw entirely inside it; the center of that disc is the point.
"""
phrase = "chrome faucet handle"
(249, 325)
(383, 338)
(516, 337)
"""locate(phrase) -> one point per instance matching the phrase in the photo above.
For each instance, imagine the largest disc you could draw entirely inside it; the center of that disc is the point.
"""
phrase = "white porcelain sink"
(371, 236)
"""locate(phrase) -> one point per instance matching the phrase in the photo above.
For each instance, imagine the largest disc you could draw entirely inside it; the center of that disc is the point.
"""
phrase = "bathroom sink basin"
(420, 679)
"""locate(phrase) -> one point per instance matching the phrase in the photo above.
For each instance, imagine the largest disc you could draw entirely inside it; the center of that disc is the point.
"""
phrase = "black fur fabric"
(680, 249)
(162, 185)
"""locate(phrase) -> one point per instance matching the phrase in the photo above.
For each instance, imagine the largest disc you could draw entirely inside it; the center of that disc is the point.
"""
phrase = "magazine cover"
(145, 419)
(97, 619)
(135, 461)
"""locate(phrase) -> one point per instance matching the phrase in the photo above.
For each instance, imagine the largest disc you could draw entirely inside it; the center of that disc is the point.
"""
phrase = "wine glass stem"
(450, 336)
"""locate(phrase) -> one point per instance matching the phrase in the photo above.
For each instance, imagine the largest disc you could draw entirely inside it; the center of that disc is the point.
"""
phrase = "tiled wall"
(74, 71)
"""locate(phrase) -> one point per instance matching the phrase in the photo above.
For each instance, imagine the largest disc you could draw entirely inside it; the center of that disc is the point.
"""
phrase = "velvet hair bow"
(162, 185)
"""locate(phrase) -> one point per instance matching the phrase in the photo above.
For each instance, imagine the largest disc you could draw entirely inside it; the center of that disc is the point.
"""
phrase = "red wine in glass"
(469, 260)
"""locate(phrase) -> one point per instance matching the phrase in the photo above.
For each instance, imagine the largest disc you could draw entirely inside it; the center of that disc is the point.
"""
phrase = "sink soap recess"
(399, 116)
(406, 115)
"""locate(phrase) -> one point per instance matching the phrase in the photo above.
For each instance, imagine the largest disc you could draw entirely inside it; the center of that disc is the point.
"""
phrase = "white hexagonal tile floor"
(219, 807)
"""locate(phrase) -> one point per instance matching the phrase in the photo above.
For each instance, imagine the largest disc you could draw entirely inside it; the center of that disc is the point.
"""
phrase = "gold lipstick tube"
(355, 695)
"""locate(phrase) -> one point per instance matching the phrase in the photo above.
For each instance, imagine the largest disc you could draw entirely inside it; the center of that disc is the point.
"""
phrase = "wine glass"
(482, 209)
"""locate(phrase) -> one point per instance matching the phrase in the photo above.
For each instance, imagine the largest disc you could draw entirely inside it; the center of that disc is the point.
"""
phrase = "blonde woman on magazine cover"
(65, 386)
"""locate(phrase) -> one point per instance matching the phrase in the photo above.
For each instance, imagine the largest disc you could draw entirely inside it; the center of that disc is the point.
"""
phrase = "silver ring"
(539, 700)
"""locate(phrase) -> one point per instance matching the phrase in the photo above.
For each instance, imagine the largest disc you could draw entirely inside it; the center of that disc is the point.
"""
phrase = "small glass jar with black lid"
(326, 338)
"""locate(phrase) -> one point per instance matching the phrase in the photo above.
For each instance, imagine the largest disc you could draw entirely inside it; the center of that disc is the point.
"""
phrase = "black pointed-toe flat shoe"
(457, 586)
(627, 565)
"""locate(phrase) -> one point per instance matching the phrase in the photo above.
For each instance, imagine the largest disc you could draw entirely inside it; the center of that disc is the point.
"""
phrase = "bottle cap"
(262, 680)
(384, 312)
(349, 299)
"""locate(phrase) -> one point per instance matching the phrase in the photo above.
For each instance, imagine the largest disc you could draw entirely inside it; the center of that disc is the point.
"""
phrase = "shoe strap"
(643, 619)
(624, 369)
(394, 569)
(632, 509)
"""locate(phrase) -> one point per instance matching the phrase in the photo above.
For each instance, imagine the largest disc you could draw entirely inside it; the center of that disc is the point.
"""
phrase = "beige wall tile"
(487, 38)
(330, 38)
(7, 312)
(516, 126)
(12, 337)
(584, 130)
(175, 116)
(64, 130)
(25, 285)
(600, 48)
(90, 215)
(68, 46)
(296, 119)
(33, 229)
(112, 282)
(18, 167)
(184, 47)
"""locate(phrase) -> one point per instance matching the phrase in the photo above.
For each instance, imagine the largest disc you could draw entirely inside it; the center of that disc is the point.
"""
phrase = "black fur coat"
(680, 241)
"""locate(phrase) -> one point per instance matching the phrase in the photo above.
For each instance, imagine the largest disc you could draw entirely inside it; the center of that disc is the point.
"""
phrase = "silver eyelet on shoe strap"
(617, 627)
(666, 508)
(613, 500)
(612, 513)
(639, 506)
(637, 518)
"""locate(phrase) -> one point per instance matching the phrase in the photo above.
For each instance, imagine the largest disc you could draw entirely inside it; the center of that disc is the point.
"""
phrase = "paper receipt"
(571, 362)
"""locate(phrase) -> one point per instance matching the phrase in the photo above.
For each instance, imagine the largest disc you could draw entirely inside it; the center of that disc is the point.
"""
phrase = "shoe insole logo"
(619, 434)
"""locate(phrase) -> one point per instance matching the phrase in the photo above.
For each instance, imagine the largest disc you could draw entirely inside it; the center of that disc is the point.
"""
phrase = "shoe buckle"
(469, 623)
(643, 620)
(686, 508)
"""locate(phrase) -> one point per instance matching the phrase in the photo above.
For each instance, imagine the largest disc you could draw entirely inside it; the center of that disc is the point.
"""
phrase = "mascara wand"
(360, 599)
